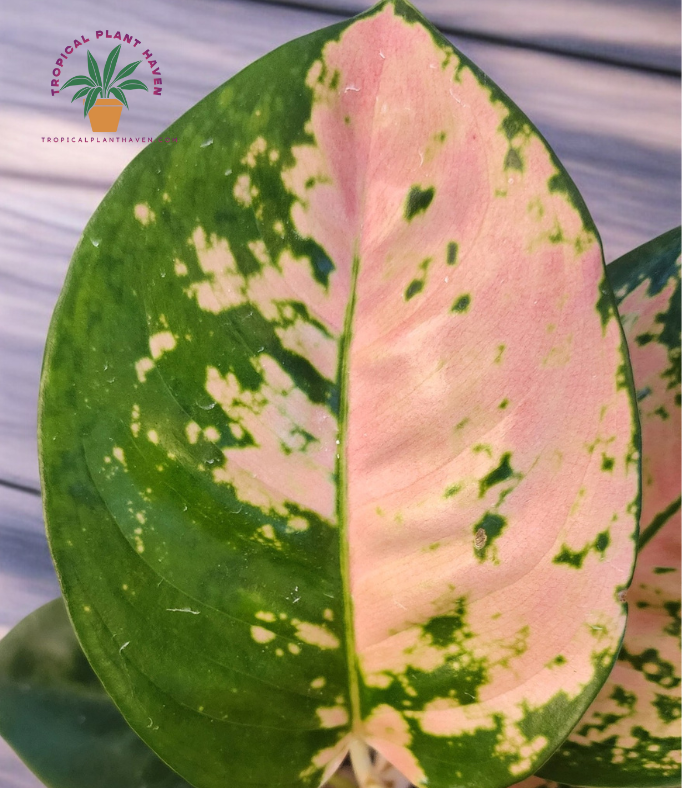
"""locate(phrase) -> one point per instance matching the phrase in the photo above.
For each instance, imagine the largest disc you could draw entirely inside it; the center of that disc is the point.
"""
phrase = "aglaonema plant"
(55, 712)
(339, 444)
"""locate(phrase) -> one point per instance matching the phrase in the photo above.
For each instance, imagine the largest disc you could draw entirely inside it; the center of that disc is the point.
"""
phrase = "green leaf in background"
(132, 84)
(337, 434)
(631, 735)
(109, 67)
(58, 718)
(126, 71)
(120, 95)
(94, 70)
(90, 100)
(80, 80)
(80, 93)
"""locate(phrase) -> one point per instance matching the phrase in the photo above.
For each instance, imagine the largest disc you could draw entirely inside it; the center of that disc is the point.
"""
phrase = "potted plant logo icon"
(105, 112)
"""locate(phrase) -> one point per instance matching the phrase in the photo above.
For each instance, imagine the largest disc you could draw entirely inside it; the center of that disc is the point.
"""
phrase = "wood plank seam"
(340, 11)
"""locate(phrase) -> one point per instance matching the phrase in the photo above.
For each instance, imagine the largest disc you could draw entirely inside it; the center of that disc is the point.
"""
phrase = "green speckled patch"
(462, 303)
(418, 201)
(575, 558)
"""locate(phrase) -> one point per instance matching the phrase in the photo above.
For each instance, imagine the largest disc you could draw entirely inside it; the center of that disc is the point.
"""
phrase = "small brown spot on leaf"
(480, 539)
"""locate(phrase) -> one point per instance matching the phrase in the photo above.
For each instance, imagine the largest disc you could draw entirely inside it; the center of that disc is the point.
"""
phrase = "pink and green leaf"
(324, 420)
(631, 735)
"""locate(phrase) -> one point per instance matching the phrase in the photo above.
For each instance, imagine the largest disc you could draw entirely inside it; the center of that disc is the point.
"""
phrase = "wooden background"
(600, 78)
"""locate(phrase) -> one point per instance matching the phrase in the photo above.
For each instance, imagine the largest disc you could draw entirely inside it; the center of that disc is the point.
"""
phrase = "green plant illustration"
(101, 85)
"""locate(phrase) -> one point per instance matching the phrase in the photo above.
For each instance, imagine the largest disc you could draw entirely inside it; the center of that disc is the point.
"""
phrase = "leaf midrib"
(342, 498)
(342, 482)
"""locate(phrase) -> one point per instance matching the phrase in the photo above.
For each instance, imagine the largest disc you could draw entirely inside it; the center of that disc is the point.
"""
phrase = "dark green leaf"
(120, 95)
(59, 720)
(94, 70)
(126, 71)
(80, 80)
(109, 67)
(91, 99)
(80, 93)
(133, 84)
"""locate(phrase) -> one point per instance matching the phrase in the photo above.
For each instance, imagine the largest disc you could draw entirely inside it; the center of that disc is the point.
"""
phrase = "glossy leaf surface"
(336, 426)
(631, 735)
(56, 715)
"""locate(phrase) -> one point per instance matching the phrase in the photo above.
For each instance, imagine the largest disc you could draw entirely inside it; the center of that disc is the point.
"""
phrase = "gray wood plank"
(40, 224)
(27, 577)
(27, 581)
(645, 33)
(13, 773)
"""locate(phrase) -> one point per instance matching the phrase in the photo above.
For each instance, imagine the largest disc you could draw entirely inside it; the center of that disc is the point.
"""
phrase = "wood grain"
(631, 32)
(27, 581)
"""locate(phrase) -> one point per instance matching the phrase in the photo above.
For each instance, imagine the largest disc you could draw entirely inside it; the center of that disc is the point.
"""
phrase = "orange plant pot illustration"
(105, 114)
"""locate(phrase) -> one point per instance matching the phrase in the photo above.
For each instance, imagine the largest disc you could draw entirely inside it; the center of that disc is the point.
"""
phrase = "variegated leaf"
(539, 782)
(337, 432)
(57, 716)
(631, 735)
